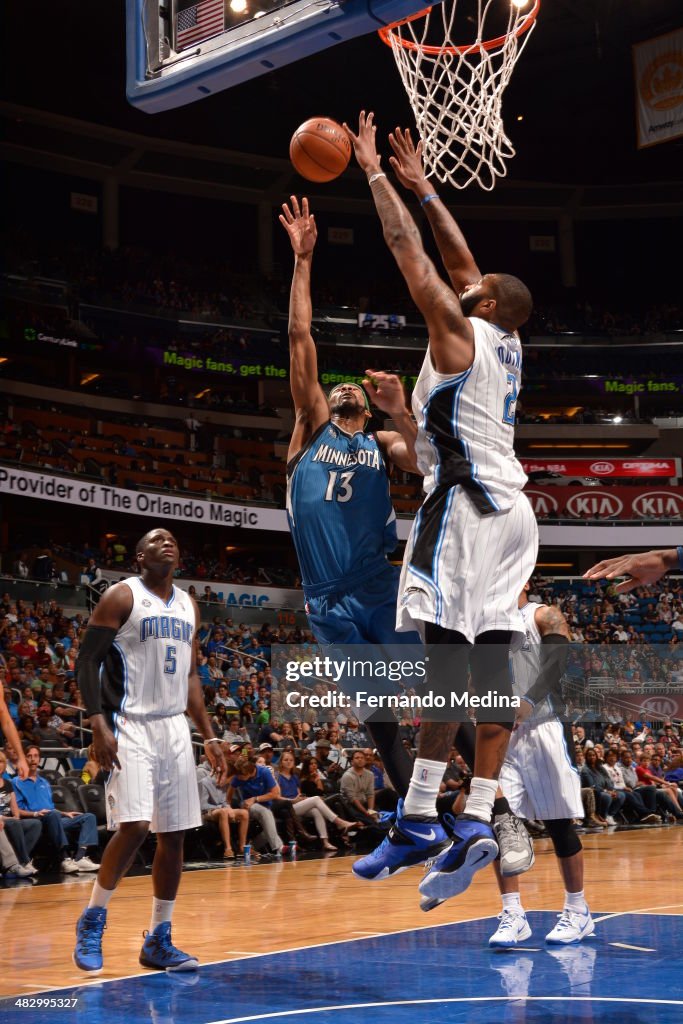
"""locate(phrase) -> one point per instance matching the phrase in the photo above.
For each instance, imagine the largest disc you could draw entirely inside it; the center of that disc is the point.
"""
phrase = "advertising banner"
(648, 706)
(602, 503)
(658, 73)
(604, 467)
(232, 595)
(599, 504)
(22, 482)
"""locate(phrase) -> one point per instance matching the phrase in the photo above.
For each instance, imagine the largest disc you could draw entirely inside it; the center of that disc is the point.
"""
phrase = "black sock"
(501, 806)
(395, 758)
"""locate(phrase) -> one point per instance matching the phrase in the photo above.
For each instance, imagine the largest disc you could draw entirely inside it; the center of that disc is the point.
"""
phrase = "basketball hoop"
(456, 90)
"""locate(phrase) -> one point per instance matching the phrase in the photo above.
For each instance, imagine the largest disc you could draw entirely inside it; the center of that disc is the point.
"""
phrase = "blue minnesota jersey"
(339, 509)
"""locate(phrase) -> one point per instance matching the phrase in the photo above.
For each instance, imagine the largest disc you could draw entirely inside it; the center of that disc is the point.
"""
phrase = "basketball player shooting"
(474, 542)
(338, 504)
(137, 673)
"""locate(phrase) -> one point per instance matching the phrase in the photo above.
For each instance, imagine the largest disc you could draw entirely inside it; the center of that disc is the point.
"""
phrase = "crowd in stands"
(630, 772)
(598, 614)
(186, 456)
(585, 317)
(197, 456)
(210, 287)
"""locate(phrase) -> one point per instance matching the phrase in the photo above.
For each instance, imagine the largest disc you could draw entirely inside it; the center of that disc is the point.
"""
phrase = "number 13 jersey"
(466, 421)
(339, 509)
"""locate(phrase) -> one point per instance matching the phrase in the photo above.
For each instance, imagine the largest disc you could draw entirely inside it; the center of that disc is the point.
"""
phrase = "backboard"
(179, 51)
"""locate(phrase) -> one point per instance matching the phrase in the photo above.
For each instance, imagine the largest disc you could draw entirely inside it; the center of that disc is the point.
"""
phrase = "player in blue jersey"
(338, 502)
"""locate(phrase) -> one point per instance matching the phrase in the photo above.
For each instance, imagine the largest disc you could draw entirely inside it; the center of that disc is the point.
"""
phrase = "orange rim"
(388, 37)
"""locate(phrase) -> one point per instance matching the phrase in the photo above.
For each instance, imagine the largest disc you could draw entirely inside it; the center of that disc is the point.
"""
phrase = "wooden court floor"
(231, 912)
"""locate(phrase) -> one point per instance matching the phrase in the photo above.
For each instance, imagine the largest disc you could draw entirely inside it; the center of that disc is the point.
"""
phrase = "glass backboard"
(179, 52)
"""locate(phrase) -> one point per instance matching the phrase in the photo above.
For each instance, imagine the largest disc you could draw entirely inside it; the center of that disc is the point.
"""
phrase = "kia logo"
(591, 504)
(658, 503)
(602, 468)
(660, 707)
(541, 502)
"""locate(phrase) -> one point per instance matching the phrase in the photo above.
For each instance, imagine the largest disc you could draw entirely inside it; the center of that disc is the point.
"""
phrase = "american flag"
(200, 22)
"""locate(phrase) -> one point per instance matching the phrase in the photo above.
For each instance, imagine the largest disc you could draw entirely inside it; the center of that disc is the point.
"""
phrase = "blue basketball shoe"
(410, 841)
(474, 846)
(88, 952)
(159, 952)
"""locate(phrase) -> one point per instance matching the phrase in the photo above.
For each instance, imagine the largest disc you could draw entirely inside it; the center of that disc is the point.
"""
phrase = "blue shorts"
(366, 616)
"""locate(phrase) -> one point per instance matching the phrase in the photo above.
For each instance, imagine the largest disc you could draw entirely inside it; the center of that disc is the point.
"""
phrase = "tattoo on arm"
(552, 620)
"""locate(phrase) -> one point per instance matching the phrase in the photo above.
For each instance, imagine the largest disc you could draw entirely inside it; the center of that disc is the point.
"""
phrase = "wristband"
(213, 739)
(374, 177)
(428, 199)
(528, 700)
(679, 552)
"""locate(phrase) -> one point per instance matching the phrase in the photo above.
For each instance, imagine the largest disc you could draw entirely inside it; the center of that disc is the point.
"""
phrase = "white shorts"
(538, 777)
(471, 571)
(157, 780)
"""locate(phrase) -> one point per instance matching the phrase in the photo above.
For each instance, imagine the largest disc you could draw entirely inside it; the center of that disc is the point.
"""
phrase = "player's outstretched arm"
(109, 614)
(451, 338)
(310, 405)
(641, 569)
(385, 390)
(453, 249)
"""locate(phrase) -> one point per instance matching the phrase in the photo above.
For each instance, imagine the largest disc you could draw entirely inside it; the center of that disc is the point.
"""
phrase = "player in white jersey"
(539, 778)
(137, 672)
(474, 541)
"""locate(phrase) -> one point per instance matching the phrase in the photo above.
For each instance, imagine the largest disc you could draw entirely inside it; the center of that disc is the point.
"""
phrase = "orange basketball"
(320, 149)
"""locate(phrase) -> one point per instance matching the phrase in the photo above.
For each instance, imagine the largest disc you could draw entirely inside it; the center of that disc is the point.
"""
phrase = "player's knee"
(491, 679)
(134, 831)
(448, 652)
(171, 840)
(490, 663)
(565, 840)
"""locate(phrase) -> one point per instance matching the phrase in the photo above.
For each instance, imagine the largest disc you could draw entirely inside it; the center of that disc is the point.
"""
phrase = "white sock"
(162, 910)
(100, 897)
(575, 901)
(511, 901)
(480, 800)
(424, 787)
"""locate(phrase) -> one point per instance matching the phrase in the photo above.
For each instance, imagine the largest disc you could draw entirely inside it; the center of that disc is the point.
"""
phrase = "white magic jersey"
(538, 777)
(147, 668)
(525, 663)
(466, 421)
(526, 659)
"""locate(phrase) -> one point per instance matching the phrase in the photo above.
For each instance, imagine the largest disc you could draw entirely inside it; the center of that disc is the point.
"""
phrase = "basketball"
(320, 149)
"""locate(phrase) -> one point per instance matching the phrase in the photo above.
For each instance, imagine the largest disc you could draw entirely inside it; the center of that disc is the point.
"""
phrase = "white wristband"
(374, 177)
(212, 739)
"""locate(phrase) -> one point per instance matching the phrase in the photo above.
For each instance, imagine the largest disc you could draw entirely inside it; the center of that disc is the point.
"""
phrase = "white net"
(456, 91)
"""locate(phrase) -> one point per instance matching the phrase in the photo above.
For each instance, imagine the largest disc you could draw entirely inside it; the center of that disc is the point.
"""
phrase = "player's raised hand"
(385, 390)
(299, 223)
(407, 161)
(641, 569)
(365, 143)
